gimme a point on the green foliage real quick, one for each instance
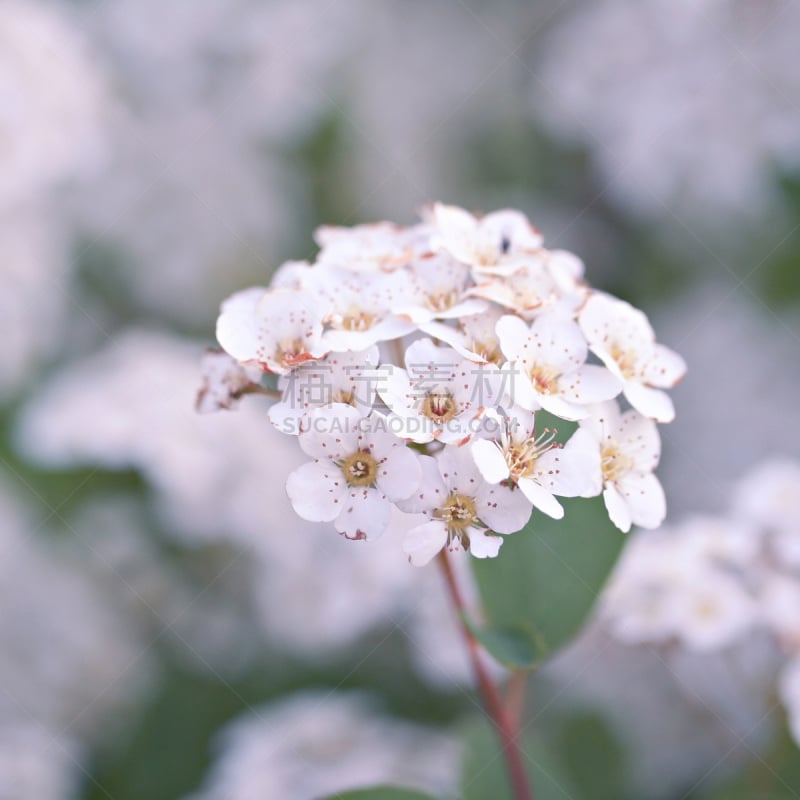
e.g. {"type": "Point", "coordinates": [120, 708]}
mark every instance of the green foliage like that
{"type": "Point", "coordinates": [484, 772]}
{"type": "Point", "coordinates": [595, 758]}
{"type": "Point", "coordinates": [769, 776]}
{"type": "Point", "coordinates": [515, 648]}
{"type": "Point", "coordinates": [548, 575]}
{"type": "Point", "coordinates": [381, 793]}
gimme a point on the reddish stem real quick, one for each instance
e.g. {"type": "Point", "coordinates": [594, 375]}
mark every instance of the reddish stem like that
{"type": "Point", "coordinates": [503, 723]}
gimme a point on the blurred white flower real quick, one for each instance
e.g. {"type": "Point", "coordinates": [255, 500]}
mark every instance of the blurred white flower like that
{"type": "Point", "coordinates": [53, 102]}
{"type": "Point", "coordinates": [68, 643]}
{"type": "Point", "coordinates": [789, 689]}
{"type": "Point", "coordinates": [224, 382]}
{"type": "Point", "coordinates": [648, 85]}
{"type": "Point", "coordinates": [769, 496]}
{"type": "Point", "coordinates": [37, 763]}
{"type": "Point", "coordinates": [33, 271]}
{"type": "Point", "coordinates": [711, 611]}
{"type": "Point", "coordinates": [320, 743]}
{"type": "Point", "coordinates": [199, 194]}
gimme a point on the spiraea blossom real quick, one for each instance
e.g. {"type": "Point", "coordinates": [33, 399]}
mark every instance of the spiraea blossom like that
{"type": "Point", "coordinates": [414, 365]}
{"type": "Point", "coordinates": [710, 583]}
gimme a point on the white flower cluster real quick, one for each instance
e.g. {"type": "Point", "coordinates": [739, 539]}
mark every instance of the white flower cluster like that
{"type": "Point", "coordinates": [647, 85]}
{"type": "Point", "coordinates": [312, 744]}
{"type": "Point", "coordinates": [714, 581]}
{"type": "Point", "coordinates": [413, 364]}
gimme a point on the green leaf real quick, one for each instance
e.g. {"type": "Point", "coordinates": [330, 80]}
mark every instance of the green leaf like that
{"type": "Point", "coordinates": [484, 769]}
{"type": "Point", "coordinates": [513, 647]}
{"type": "Point", "coordinates": [547, 577]}
{"type": "Point", "coordinates": [381, 793]}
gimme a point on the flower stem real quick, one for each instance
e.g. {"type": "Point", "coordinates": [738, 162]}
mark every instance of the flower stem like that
{"type": "Point", "coordinates": [505, 726]}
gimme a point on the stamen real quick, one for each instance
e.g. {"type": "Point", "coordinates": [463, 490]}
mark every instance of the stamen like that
{"type": "Point", "coordinates": [544, 379]}
{"type": "Point", "coordinates": [521, 457]}
{"type": "Point", "coordinates": [458, 513]}
{"type": "Point", "coordinates": [614, 463]}
{"type": "Point", "coordinates": [360, 468]}
{"type": "Point", "coordinates": [439, 406]}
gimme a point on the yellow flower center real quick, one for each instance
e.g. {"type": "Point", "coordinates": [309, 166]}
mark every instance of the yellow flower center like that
{"type": "Point", "coordinates": [360, 469]}
{"type": "Point", "coordinates": [357, 320]}
{"type": "Point", "coordinates": [625, 360]}
{"type": "Point", "coordinates": [544, 379]}
{"type": "Point", "coordinates": [441, 301]}
{"type": "Point", "coordinates": [342, 396]}
{"type": "Point", "coordinates": [458, 513]}
{"type": "Point", "coordinates": [614, 463]}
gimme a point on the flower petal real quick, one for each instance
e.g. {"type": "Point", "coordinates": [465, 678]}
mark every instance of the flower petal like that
{"type": "Point", "coordinates": [237, 325]}
{"type": "Point", "coordinates": [589, 384]}
{"type": "Point", "coordinates": [503, 509]}
{"type": "Point", "coordinates": [665, 368]}
{"type": "Point", "coordinates": [541, 498]}
{"type": "Point", "coordinates": [644, 498]}
{"type": "Point", "coordinates": [331, 432]}
{"type": "Point", "coordinates": [617, 508]}
{"type": "Point", "coordinates": [483, 544]}
{"type": "Point", "coordinates": [574, 470]}
{"type": "Point", "coordinates": [399, 473]}
{"type": "Point", "coordinates": [316, 491]}
{"type": "Point", "coordinates": [364, 513]}
{"type": "Point", "coordinates": [431, 492]}
{"type": "Point", "coordinates": [653, 403]}
{"type": "Point", "coordinates": [490, 460]}
{"type": "Point", "coordinates": [422, 543]}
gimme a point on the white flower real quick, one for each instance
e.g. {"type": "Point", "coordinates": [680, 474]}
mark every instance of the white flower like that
{"type": "Point", "coordinates": [789, 688]}
{"type": "Point", "coordinates": [647, 85]}
{"type": "Point", "coordinates": [380, 246]}
{"type": "Point", "coordinates": [276, 329]}
{"type": "Point", "coordinates": [321, 744]}
{"type": "Point", "coordinates": [711, 611]}
{"type": "Point", "coordinates": [438, 290]}
{"type": "Point", "coordinates": [769, 496]}
{"type": "Point", "coordinates": [778, 601]}
{"type": "Point", "coordinates": [34, 271]}
{"type": "Point", "coordinates": [548, 280]}
{"type": "Point", "coordinates": [537, 465]}
{"type": "Point", "coordinates": [438, 396]}
{"type": "Point", "coordinates": [551, 356]}
{"type": "Point", "coordinates": [349, 378]}
{"type": "Point", "coordinates": [359, 469]}
{"type": "Point", "coordinates": [464, 511]}
{"type": "Point", "coordinates": [630, 448]}
{"type": "Point", "coordinates": [359, 308]}
{"type": "Point", "coordinates": [37, 762]}
{"type": "Point", "coordinates": [621, 336]}
{"type": "Point", "coordinates": [498, 243]}
{"type": "Point", "coordinates": [53, 101]}
{"type": "Point", "coordinates": [224, 382]}
{"type": "Point", "coordinates": [474, 336]}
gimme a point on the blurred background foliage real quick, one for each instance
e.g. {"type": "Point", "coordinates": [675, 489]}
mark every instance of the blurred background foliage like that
{"type": "Point", "coordinates": [221, 135]}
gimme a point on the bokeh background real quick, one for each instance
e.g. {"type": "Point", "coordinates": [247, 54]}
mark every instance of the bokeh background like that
{"type": "Point", "coordinates": [168, 628]}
